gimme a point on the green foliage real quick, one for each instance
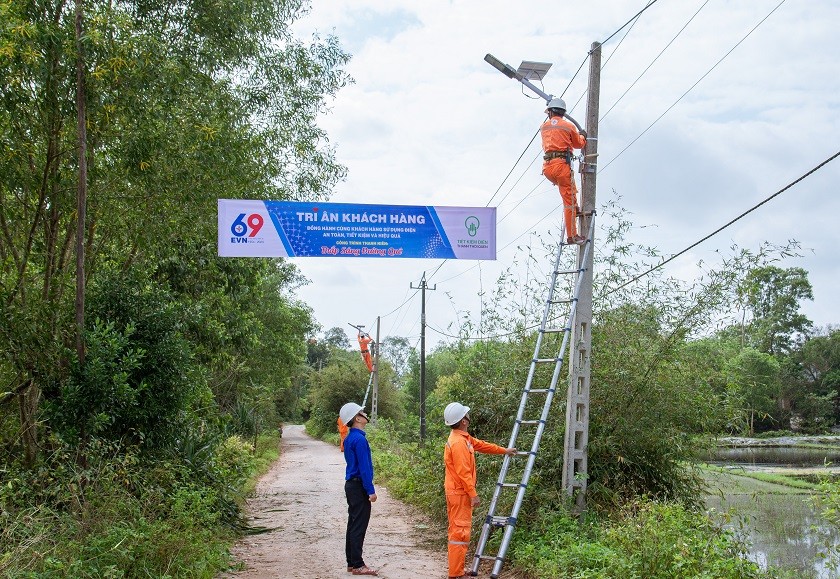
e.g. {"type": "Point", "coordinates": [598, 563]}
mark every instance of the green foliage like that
{"type": "Point", "coordinates": [345, 379]}
{"type": "Point", "coordinates": [645, 539]}
{"type": "Point", "coordinates": [772, 295]}
{"type": "Point", "coordinates": [816, 380]}
{"type": "Point", "coordinates": [411, 471]}
{"type": "Point", "coordinates": [125, 513]}
{"type": "Point", "coordinates": [755, 378]}
{"type": "Point", "coordinates": [827, 501]}
{"type": "Point", "coordinates": [134, 383]}
{"type": "Point", "coordinates": [185, 104]}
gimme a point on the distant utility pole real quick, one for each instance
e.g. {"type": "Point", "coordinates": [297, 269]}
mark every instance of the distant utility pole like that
{"type": "Point", "coordinates": [374, 404]}
{"type": "Point", "coordinates": [576, 443]}
{"type": "Point", "coordinates": [423, 286]}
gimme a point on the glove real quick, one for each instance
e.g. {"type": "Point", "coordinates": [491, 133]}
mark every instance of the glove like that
{"type": "Point", "coordinates": [583, 133]}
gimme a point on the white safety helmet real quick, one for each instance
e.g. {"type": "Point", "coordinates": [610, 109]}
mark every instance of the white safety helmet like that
{"type": "Point", "coordinates": [454, 412]}
{"type": "Point", "coordinates": [556, 103]}
{"type": "Point", "coordinates": [349, 411]}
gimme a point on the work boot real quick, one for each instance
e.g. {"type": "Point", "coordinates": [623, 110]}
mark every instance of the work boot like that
{"type": "Point", "coordinates": [576, 240]}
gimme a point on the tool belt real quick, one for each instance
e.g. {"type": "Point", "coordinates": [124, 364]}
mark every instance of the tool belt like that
{"type": "Point", "coordinates": [565, 155]}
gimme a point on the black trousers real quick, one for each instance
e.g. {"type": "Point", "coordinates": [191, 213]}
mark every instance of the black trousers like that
{"type": "Point", "coordinates": [358, 511]}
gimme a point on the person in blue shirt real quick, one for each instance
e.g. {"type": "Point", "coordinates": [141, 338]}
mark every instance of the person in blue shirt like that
{"type": "Point", "coordinates": [358, 486]}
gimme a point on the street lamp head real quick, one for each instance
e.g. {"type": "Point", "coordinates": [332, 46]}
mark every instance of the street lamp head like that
{"type": "Point", "coordinates": [505, 69]}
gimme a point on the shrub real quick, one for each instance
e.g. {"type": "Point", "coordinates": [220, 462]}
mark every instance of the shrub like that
{"type": "Point", "coordinates": [650, 539]}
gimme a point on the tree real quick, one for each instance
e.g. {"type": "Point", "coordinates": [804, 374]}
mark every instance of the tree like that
{"type": "Point", "coordinates": [319, 351]}
{"type": "Point", "coordinates": [397, 350]}
{"type": "Point", "coordinates": [772, 296]}
{"type": "Point", "coordinates": [184, 103]}
{"type": "Point", "coordinates": [754, 377]}
{"type": "Point", "coordinates": [344, 380]}
{"type": "Point", "coordinates": [818, 378]}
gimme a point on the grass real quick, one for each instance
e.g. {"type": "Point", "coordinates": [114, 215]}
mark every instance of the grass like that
{"type": "Point", "coordinates": [267, 451]}
{"type": "Point", "coordinates": [788, 481]}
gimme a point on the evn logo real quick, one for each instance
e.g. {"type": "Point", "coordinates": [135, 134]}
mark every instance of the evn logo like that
{"type": "Point", "coordinates": [250, 226]}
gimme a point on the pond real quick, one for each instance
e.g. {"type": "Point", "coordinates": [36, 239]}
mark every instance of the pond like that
{"type": "Point", "coordinates": [779, 522]}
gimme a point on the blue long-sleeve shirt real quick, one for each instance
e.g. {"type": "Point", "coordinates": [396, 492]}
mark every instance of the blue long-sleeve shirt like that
{"type": "Point", "coordinates": [358, 458]}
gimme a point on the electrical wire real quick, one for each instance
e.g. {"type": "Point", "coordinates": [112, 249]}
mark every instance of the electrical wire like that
{"type": "Point", "coordinates": [718, 230]}
{"type": "Point", "coordinates": [639, 13]}
{"type": "Point", "coordinates": [661, 52]}
{"type": "Point", "coordinates": [673, 257]}
{"type": "Point", "coordinates": [635, 20]}
{"type": "Point", "coordinates": [692, 86]}
{"type": "Point", "coordinates": [632, 20]}
{"type": "Point", "coordinates": [623, 38]}
{"type": "Point", "coordinates": [525, 150]}
{"type": "Point", "coordinates": [524, 172]}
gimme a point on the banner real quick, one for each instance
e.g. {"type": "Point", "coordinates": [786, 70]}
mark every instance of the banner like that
{"type": "Point", "coordinates": [300, 229]}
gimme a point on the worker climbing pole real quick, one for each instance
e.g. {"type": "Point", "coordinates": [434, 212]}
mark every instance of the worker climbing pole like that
{"type": "Point", "coordinates": [365, 347]}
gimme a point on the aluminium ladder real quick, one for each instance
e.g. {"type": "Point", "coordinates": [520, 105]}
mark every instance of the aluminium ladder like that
{"type": "Point", "coordinates": [492, 520]}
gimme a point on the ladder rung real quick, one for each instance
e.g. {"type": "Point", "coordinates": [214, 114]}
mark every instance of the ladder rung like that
{"type": "Point", "coordinates": [562, 301]}
{"type": "Point", "coordinates": [545, 360]}
{"type": "Point", "coordinates": [566, 271]}
{"type": "Point", "coordinates": [499, 521]}
{"type": "Point", "coordinates": [539, 390]}
{"type": "Point", "coordinates": [531, 421]}
{"type": "Point", "coordinates": [555, 330]}
{"type": "Point", "coordinates": [511, 485]}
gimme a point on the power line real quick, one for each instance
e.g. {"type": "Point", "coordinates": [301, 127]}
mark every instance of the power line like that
{"type": "Point", "coordinates": [673, 257]}
{"type": "Point", "coordinates": [525, 150]}
{"type": "Point", "coordinates": [661, 52]}
{"type": "Point", "coordinates": [623, 38]}
{"type": "Point", "coordinates": [525, 172]}
{"type": "Point", "coordinates": [631, 20]}
{"type": "Point", "coordinates": [691, 87]}
{"type": "Point", "coordinates": [639, 13]}
{"type": "Point", "coordinates": [715, 232]}
{"type": "Point", "coordinates": [635, 20]}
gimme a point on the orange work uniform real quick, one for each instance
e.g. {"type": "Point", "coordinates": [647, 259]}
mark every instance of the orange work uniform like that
{"type": "Point", "coordinates": [343, 430]}
{"type": "Point", "coordinates": [561, 136]}
{"type": "Point", "coordinates": [459, 485]}
{"type": "Point", "coordinates": [364, 340]}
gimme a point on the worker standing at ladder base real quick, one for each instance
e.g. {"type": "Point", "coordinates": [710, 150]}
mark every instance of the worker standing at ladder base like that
{"type": "Point", "coordinates": [460, 480]}
{"type": "Point", "coordinates": [559, 139]}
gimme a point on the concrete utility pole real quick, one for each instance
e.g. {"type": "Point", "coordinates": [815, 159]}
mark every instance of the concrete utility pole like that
{"type": "Point", "coordinates": [374, 404]}
{"type": "Point", "coordinates": [423, 286]}
{"type": "Point", "coordinates": [576, 443]}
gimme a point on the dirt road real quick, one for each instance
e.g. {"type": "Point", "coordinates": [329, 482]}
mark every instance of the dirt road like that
{"type": "Point", "coordinates": [302, 498]}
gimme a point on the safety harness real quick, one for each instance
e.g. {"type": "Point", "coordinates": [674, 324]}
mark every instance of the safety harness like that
{"type": "Point", "coordinates": [565, 155]}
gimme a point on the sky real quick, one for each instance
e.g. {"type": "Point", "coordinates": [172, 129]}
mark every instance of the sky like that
{"type": "Point", "coordinates": [707, 107]}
